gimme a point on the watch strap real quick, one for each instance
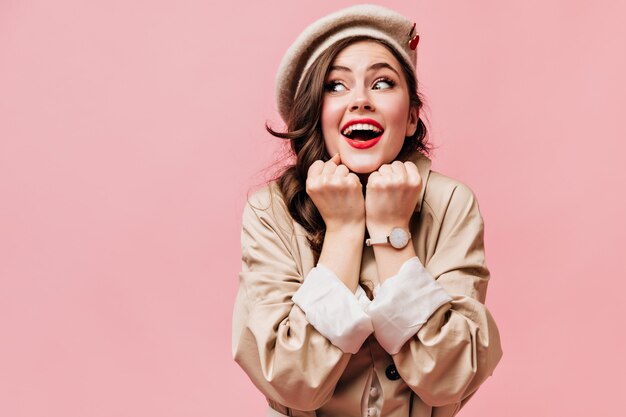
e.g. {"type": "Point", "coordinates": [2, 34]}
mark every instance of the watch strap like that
{"type": "Point", "coordinates": [376, 241]}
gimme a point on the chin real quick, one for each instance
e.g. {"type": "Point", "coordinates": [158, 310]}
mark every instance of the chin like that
{"type": "Point", "coordinates": [362, 167]}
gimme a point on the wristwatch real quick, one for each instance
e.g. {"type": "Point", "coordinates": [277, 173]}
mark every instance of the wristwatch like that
{"type": "Point", "coordinates": [398, 238]}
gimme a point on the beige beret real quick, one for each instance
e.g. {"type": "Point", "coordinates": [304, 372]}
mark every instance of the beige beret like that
{"type": "Point", "coordinates": [375, 21]}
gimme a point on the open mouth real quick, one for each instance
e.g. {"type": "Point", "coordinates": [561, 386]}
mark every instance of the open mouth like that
{"type": "Point", "coordinates": [362, 132]}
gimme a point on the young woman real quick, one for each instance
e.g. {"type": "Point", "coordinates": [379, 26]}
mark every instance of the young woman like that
{"type": "Point", "coordinates": [363, 275]}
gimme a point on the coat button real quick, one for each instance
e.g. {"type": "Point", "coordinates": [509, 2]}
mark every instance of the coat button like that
{"type": "Point", "coordinates": [372, 412]}
{"type": "Point", "coordinates": [373, 392]}
{"type": "Point", "coordinates": [392, 372]}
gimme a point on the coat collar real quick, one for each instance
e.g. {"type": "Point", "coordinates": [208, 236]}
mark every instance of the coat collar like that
{"type": "Point", "coordinates": [423, 164]}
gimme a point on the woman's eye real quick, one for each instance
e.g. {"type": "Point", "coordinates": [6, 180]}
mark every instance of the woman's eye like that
{"type": "Point", "coordinates": [383, 84]}
{"type": "Point", "coordinates": [335, 87]}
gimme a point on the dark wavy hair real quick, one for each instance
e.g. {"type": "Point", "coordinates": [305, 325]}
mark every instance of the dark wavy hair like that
{"type": "Point", "coordinates": [306, 141]}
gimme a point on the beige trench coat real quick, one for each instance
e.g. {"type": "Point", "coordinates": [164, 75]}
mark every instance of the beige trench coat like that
{"type": "Point", "coordinates": [302, 374]}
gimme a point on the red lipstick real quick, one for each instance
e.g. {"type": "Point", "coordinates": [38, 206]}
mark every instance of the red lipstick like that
{"type": "Point", "coordinates": [360, 144]}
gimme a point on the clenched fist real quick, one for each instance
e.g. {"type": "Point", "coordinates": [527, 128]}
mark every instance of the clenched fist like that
{"type": "Point", "coordinates": [391, 196]}
{"type": "Point", "coordinates": [336, 192]}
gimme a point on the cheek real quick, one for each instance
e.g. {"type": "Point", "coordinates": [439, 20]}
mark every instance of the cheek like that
{"type": "Point", "coordinates": [396, 117]}
{"type": "Point", "coordinates": [331, 117]}
{"type": "Point", "coordinates": [396, 110]}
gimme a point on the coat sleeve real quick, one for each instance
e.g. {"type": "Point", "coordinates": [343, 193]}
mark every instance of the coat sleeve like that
{"type": "Point", "coordinates": [286, 358]}
{"type": "Point", "coordinates": [458, 347]}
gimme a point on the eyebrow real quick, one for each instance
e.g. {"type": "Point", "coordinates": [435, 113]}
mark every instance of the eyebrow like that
{"type": "Point", "coordinates": [375, 66]}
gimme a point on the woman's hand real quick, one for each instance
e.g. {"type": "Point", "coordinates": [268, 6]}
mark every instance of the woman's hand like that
{"type": "Point", "coordinates": [391, 195]}
{"type": "Point", "coordinates": [337, 193]}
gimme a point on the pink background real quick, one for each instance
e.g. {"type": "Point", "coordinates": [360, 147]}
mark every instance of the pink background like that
{"type": "Point", "coordinates": [131, 131]}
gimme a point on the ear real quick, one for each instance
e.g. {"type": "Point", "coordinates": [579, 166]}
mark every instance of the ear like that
{"type": "Point", "coordinates": [411, 125]}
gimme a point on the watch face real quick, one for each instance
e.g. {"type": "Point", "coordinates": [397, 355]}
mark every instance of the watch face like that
{"type": "Point", "coordinates": [398, 238]}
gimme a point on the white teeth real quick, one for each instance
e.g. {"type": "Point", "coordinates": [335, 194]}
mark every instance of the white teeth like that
{"type": "Point", "coordinates": [360, 126]}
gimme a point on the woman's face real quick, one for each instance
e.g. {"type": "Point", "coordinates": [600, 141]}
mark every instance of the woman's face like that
{"type": "Point", "coordinates": [366, 112]}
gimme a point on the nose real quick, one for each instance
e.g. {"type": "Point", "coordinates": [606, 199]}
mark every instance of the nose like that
{"type": "Point", "coordinates": [361, 101]}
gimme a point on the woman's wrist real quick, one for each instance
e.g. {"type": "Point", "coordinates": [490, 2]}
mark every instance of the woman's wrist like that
{"type": "Point", "coordinates": [351, 229]}
{"type": "Point", "coordinates": [376, 230]}
{"type": "Point", "coordinates": [342, 251]}
{"type": "Point", "coordinates": [389, 260]}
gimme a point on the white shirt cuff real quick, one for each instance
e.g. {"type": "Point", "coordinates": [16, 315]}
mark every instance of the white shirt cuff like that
{"type": "Point", "coordinates": [403, 303]}
{"type": "Point", "coordinates": [334, 311]}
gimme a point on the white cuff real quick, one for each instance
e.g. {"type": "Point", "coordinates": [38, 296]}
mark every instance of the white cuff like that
{"type": "Point", "coordinates": [333, 309]}
{"type": "Point", "coordinates": [403, 303]}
